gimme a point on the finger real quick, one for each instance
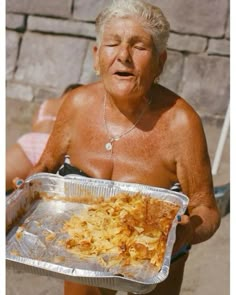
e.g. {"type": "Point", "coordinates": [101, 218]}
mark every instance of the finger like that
{"type": "Point", "coordinates": [183, 220]}
{"type": "Point", "coordinates": [18, 182]}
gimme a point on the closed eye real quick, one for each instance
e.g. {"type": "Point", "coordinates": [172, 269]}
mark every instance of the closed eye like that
{"type": "Point", "coordinates": [139, 47]}
{"type": "Point", "coordinates": [112, 44]}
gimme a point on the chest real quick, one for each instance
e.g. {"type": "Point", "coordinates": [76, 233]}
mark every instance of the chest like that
{"type": "Point", "coordinates": [141, 156]}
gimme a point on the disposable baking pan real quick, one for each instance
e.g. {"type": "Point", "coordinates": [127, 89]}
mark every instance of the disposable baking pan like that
{"type": "Point", "coordinates": [30, 216]}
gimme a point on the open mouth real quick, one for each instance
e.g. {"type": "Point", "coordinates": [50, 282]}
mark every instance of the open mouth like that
{"type": "Point", "coordinates": [124, 74]}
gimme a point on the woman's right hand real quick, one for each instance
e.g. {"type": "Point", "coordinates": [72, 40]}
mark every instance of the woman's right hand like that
{"type": "Point", "coordinates": [18, 183]}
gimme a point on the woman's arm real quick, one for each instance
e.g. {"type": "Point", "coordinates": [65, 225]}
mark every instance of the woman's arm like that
{"type": "Point", "coordinates": [194, 175]}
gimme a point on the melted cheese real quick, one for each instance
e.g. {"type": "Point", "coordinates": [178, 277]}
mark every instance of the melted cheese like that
{"type": "Point", "coordinates": [126, 229]}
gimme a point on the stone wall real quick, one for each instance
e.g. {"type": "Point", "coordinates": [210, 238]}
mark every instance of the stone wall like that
{"type": "Point", "coordinates": [49, 45]}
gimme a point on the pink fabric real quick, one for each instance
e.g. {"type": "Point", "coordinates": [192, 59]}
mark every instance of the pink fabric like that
{"type": "Point", "coordinates": [41, 116]}
{"type": "Point", "coordinates": [33, 144]}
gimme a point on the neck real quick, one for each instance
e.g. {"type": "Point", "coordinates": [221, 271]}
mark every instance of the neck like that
{"type": "Point", "coordinates": [136, 117]}
{"type": "Point", "coordinates": [129, 107]}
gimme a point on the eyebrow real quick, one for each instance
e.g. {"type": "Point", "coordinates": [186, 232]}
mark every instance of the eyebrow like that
{"type": "Point", "coordinates": [113, 36]}
{"type": "Point", "coordinates": [132, 38]}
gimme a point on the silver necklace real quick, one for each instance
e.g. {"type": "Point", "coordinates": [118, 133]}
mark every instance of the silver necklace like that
{"type": "Point", "coordinates": [112, 139]}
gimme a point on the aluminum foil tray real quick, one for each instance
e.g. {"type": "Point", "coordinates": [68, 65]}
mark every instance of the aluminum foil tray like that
{"type": "Point", "coordinates": [31, 216]}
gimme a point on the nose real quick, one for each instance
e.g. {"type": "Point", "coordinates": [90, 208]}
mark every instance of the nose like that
{"type": "Point", "coordinates": [124, 54]}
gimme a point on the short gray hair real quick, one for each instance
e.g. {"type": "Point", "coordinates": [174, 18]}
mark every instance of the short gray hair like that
{"type": "Point", "coordinates": [149, 15]}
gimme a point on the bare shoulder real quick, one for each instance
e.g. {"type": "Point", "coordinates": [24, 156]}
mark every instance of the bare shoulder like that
{"type": "Point", "coordinates": [179, 113]}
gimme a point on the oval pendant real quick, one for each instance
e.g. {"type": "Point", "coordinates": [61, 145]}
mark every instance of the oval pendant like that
{"type": "Point", "coordinates": [115, 138]}
{"type": "Point", "coordinates": [108, 146]}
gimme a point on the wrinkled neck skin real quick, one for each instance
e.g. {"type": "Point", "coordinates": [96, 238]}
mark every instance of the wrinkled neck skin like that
{"type": "Point", "coordinates": [130, 107]}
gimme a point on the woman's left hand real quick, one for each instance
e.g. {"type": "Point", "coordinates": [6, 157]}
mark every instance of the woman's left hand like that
{"type": "Point", "coordinates": [184, 232]}
{"type": "Point", "coordinates": [18, 183]}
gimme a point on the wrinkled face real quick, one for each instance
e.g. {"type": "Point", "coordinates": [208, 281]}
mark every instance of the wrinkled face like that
{"type": "Point", "coordinates": [126, 58]}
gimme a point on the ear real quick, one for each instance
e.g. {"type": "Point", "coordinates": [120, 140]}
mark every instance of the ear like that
{"type": "Point", "coordinates": [95, 58]}
{"type": "Point", "coordinates": [162, 60]}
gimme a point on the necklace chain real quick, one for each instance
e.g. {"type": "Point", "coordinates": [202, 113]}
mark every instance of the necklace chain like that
{"type": "Point", "coordinates": [112, 139]}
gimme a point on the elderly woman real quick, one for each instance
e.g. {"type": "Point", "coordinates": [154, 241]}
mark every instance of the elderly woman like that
{"type": "Point", "coordinates": [127, 127]}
